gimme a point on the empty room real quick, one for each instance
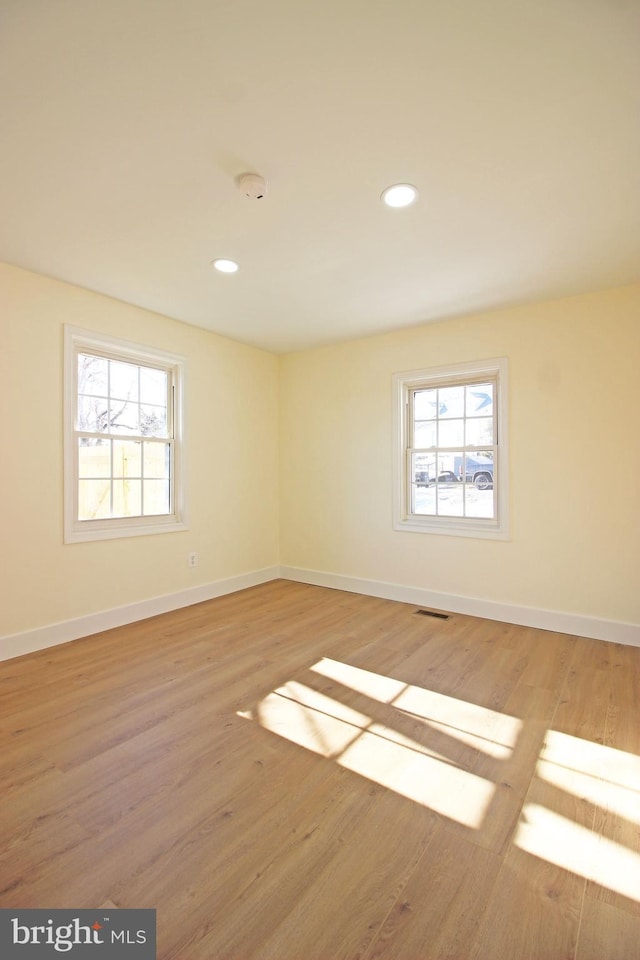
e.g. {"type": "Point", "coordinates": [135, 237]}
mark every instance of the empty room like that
{"type": "Point", "coordinates": [320, 593]}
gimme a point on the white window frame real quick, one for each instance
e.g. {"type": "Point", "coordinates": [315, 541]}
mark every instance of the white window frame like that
{"type": "Point", "coordinates": [77, 340]}
{"type": "Point", "coordinates": [496, 528]}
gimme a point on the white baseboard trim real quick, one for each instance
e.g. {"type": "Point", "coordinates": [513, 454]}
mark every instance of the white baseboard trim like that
{"type": "Point", "coordinates": [17, 644]}
{"type": "Point", "coordinates": [612, 630]}
{"type": "Point", "coordinates": [29, 641]}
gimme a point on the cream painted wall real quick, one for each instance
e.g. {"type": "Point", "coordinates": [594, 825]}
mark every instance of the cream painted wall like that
{"type": "Point", "coordinates": [232, 429]}
{"type": "Point", "coordinates": [574, 473]}
{"type": "Point", "coordinates": [574, 372]}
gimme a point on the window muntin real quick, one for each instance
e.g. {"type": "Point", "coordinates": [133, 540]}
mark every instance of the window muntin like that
{"type": "Point", "coordinates": [451, 450]}
{"type": "Point", "coordinates": [123, 437]}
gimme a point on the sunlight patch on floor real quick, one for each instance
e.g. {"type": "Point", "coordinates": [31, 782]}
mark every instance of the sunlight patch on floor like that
{"type": "Point", "coordinates": [374, 685]}
{"type": "Point", "coordinates": [558, 840]}
{"type": "Point", "coordinates": [602, 775]}
{"type": "Point", "coordinates": [440, 786]}
{"type": "Point", "coordinates": [378, 752]}
{"type": "Point", "coordinates": [408, 739]}
{"type": "Point", "coordinates": [489, 731]}
{"type": "Point", "coordinates": [311, 719]}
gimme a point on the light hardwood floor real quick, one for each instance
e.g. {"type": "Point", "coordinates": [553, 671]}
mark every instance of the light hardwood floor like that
{"type": "Point", "coordinates": [298, 773]}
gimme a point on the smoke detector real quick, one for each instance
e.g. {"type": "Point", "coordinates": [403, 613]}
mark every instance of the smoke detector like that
{"type": "Point", "coordinates": [252, 185]}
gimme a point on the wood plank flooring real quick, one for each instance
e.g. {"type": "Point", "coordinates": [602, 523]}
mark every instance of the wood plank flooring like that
{"type": "Point", "coordinates": [297, 773]}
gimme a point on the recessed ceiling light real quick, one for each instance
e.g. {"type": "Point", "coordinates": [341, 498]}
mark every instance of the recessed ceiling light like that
{"type": "Point", "coordinates": [225, 266]}
{"type": "Point", "coordinates": [400, 195]}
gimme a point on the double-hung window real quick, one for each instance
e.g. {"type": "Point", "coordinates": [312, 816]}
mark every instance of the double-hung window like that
{"type": "Point", "coordinates": [451, 450]}
{"type": "Point", "coordinates": [123, 438]}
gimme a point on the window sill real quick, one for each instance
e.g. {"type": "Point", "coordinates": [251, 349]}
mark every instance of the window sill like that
{"type": "Point", "coordinates": [90, 530]}
{"type": "Point", "coordinates": [450, 527]}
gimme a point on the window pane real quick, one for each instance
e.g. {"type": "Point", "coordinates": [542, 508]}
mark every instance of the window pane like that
{"type": "Point", "coordinates": [424, 433]}
{"type": "Point", "coordinates": [153, 421]}
{"type": "Point", "coordinates": [425, 404]}
{"type": "Point", "coordinates": [123, 417]}
{"type": "Point", "coordinates": [94, 499]}
{"type": "Point", "coordinates": [157, 460]}
{"type": "Point", "coordinates": [424, 501]}
{"type": "Point", "coordinates": [478, 503]}
{"type": "Point", "coordinates": [451, 402]}
{"type": "Point", "coordinates": [478, 469]}
{"type": "Point", "coordinates": [480, 400]}
{"type": "Point", "coordinates": [93, 414]}
{"type": "Point", "coordinates": [479, 431]}
{"type": "Point", "coordinates": [156, 497]}
{"type": "Point", "coordinates": [451, 433]}
{"type": "Point", "coordinates": [423, 467]}
{"type": "Point", "coordinates": [94, 458]}
{"type": "Point", "coordinates": [452, 463]}
{"type": "Point", "coordinates": [127, 498]}
{"type": "Point", "coordinates": [449, 496]}
{"type": "Point", "coordinates": [480, 499]}
{"type": "Point", "coordinates": [423, 470]}
{"type": "Point", "coordinates": [153, 386]}
{"type": "Point", "coordinates": [123, 384]}
{"type": "Point", "coordinates": [127, 458]}
{"type": "Point", "coordinates": [92, 375]}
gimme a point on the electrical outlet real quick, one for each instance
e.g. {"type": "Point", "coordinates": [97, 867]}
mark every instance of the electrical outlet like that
{"type": "Point", "coordinates": [193, 559]}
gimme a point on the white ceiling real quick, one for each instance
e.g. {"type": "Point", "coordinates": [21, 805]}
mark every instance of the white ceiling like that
{"type": "Point", "coordinates": [124, 124]}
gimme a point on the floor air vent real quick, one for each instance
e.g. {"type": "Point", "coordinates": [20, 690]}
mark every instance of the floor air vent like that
{"type": "Point", "coordinates": [432, 613]}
